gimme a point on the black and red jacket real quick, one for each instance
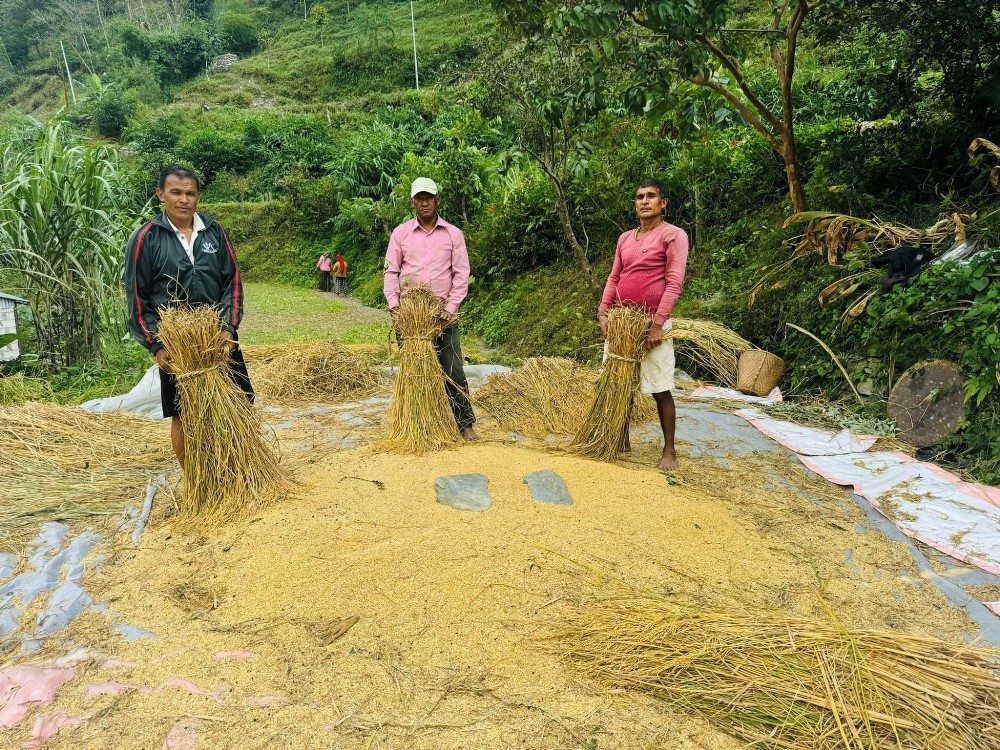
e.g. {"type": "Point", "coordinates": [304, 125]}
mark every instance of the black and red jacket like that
{"type": "Point", "coordinates": [158, 274]}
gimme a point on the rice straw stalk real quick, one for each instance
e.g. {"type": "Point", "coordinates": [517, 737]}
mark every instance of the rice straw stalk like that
{"type": "Point", "coordinates": [793, 684]}
{"type": "Point", "coordinates": [420, 418]}
{"type": "Point", "coordinates": [710, 345]}
{"type": "Point", "coordinates": [546, 396]}
{"type": "Point", "coordinates": [231, 465]}
{"type": "Point", "coordinates": [604, 432]}
{"type": "Point", "coordinates": [309, 373]}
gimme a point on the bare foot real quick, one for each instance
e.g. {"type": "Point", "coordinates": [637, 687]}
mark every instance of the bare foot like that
{"type": "Point", "coordinates": [470, 434]}
{"type": "Point", "coordinates": [668, 462]}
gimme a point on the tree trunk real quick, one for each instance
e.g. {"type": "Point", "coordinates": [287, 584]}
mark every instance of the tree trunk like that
{"type": "Point", "coordinates": [579, 251]}
{"type": "Point", "coordinates": [790, 154]}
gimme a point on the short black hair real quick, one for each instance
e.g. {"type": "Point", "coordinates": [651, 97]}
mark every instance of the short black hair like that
{"type": "Point", "coordinates": [653, 183]}
{"type": "Point", "coordinates": [182, 172]}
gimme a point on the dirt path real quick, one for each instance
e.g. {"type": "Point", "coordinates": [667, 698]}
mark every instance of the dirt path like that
{"type": "Point", "coordinates": [279, 314]}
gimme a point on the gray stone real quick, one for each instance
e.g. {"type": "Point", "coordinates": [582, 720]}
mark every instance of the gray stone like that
{"type": "Point", "coordinates": [464, 492]}
{"type": "Point", "coordinates": [548, 487]}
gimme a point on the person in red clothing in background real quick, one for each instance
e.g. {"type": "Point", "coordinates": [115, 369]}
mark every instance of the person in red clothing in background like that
{"type": "Point", "coordinates": [648, 273]}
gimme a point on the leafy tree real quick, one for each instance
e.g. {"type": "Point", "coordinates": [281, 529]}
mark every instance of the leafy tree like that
{"type": "Point", "coordinates": [320, 17]}
{"type": "Point", "coordinates": [957, 42]}
{"type": "Point", "coordinates": [203, 8]}
{"type": "Point", "coordinates": [659, 43]}
{"type": "Point", "coordinates": [553, 113]}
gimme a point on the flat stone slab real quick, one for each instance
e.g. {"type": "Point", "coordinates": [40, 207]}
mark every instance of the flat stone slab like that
{"type": "Point", "coordinates": [464, 492]}
{"type": "Point", "coordinates": [548, 487]}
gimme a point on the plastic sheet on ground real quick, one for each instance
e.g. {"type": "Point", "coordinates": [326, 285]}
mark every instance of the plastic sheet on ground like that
{"type": "Point", "coordinates": [808, 441]}
{"type": "Point", "coordinates": [731, 394]}
{"type": "Point", "coordinates": [925, 502]}
{"type": "Point", "coordinates": [143, 400]}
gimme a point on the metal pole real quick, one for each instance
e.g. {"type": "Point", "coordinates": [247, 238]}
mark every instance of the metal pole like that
{"type": "Point", "coordinates": [69, 77]}
{"type": "Point", "coordinates": [413, 25]}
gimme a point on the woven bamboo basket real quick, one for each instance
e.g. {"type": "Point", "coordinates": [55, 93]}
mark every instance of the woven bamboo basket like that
{"type": "Point", "coordinates": [758, 372]}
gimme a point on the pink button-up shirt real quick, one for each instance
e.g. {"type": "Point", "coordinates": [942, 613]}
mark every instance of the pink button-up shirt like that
{"type": "Point", "coordinates": [648, 272]}
{"type": "Point", "coordinates": [437, 258]}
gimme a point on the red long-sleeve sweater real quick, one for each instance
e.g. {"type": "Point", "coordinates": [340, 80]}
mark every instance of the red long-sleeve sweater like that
{"type": "Point", "coordinates": [648, 272]}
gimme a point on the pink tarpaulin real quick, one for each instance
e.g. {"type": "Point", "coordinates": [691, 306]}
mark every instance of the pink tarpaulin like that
{"type": "Point", "coordinates": [26, 687]}
{"type": "Point", "coordinates": [47, 727]}
{"type": "Point", "coordinates": [924, 501]}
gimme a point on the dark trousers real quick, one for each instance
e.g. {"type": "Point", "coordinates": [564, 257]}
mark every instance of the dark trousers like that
{"type": "Point", "coordinates": [324, 281]}
{"type": "Point", "coordinates": [449, 351]}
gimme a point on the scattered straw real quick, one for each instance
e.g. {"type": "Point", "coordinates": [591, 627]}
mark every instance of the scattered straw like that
{"type": "Point", "coordinates": [604, 432]}
{"type": "Point", "coordinates": [546, 396]}
{"type": "Point", "coordinates": [792, 683]}
{"type": "Point", "coordinates": [324, 371]}
{"type": "Point", "coordinates": [60, 463]}
{"type": "Point", "coordinates": [710, 345]}
{"type": "Point", "coordinates": [231, 468]}
{"type": "Point", "coordinates": [420, 418]}
{"type": "Point", "coordinates": [17, 388]}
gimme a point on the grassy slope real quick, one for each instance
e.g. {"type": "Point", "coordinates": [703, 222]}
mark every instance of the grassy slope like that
{"type": "Point", "coordinates": [277, 314]}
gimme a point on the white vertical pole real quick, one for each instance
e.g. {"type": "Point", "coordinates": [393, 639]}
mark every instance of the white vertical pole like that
{"type": "Point", "coordinates": [413, 25]}
{"type": "Point", "coordinates": [69, 77]}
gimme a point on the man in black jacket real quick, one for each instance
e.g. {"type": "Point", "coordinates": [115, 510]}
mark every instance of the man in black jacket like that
{"type": "Point", "coordinates": [182, 257]}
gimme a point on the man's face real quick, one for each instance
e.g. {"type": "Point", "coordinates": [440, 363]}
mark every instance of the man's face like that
{"type": "Point", "coordinates": [649, 203]}
{"type": "Point", "coordinates": [179, 196]}
{"type": "Point", "coordinates": [426, 205]}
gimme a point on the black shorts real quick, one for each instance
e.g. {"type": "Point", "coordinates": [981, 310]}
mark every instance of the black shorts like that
{"type": "Point", "coordinates": [237, 371]}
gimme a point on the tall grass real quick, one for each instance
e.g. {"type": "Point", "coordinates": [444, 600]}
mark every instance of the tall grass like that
{"type": "Point", "coordinates": [66, 211]}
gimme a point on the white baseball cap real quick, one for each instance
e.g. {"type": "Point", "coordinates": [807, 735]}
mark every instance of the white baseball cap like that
{"type": "Point", "coordinates": [423, 185]}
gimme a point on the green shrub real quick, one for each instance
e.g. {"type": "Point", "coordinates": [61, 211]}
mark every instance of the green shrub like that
{"type": "Point", "coordinates": [951, 311]}
{"type": "Point", "coordinates": [112, 112]}
{"type": "Point", "coordinates": [239, 33]}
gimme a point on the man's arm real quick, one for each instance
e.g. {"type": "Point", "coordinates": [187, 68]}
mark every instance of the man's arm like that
{"type": "Point", "coordinates": [231, 304]}
{"type": "Point", "coordinates": [676, 268]}
{"type": "Point", "coordinates": [390, 277]}
{"type": "Point", "coordinates": [143, 318]}
{"type": "Point", "coordinates": [459, 275]}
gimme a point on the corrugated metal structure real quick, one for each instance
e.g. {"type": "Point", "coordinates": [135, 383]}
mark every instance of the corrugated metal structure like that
{"type": "Point", "coordinates": [8, 324]}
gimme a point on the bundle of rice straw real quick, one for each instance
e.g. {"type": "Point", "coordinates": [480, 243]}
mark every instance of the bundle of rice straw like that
{"type": "Point", "coordinates": [710, 345]}
{"type": "Point", "coordinates": [604, 432]}
{"type": "Point", "coordinates": [794, 684]}
{"type": "Point", "coordinates": [231, 468]}
{"type": "Point", "coordinates": [324, 371]}
{"type": "Point", "coordinates": [420, 418]}
{"type": "Point", "coordinates": [545, 396]}
{"type": "Point", "coordinates": [60, 463]}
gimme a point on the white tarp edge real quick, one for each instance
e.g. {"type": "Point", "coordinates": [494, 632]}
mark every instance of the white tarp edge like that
{"type": "Point", "coordinates": [143, 400]}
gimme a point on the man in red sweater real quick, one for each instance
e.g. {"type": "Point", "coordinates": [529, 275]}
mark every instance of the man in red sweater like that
{"type": "Point", "coordinates": [648, 273]}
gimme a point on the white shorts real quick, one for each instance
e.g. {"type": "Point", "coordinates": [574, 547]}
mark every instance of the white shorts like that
{"type": "Point", "coordinates": [656, 372]}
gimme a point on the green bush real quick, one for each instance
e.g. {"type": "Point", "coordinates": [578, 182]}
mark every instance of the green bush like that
{"type": "Point", "coordinates": [951, 311]}
{"type": "Point", "coordinates": [112, 112]}
{"type": "Point", "coordinates": [239, 32]}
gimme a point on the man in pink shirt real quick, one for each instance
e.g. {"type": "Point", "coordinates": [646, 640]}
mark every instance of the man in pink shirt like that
{"type": "Point", "coordinates": [427, 250]}
{"type": "Point", "coordinates": [648, 273]}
